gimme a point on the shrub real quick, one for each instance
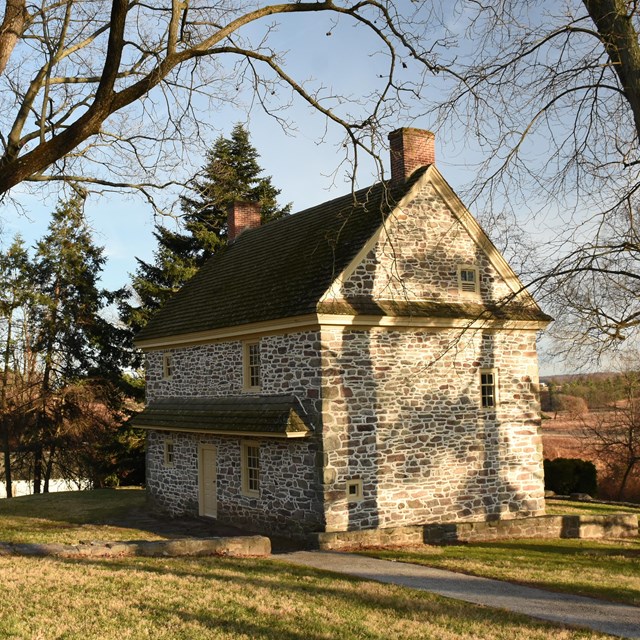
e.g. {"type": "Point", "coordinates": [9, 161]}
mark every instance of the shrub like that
{"type": "Point", "coordinates": [570, 475]}
{"type": "Point", "coordinates": [563, 402]}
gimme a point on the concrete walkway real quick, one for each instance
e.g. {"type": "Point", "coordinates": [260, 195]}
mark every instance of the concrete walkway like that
{"type": "Point", "coordinates": [607, 617]}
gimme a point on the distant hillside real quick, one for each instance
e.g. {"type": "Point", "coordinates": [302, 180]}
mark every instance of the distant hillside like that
{"type": "Point", "coordinates": [571, 377]}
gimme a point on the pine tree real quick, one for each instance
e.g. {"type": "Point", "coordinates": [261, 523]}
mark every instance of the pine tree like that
{"type": "Point", "coordinates": [231, 173]}
{"type": "Point", "coordinates": [67, 269]}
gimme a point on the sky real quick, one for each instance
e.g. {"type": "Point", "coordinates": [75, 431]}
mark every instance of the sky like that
{"type": "Point", "coordinates": [304, 163]}
{"type": "Point", "coordinates": [301, 162]}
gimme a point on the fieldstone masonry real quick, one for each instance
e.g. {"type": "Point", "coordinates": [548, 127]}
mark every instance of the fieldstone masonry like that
{"type": "Point", "coordinates": [289, 473]}
{"type": "Point", "coordinates": [288, 501]}
{"type": "Point", "coordinates": [402, 413]}
{"type": "Point", "coordinates": [417, 258]}
{"type": "Point", "coordinates": [396, 408]}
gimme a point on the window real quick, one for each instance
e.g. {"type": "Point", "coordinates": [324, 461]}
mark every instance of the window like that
{"type": "Point", "coordinates": [354, 490]}
{"type": "Point", "coordinates": [252, 372]}
{"type": "Point", "coordinates": [168, 452]}
{"type": "Point", "coordinates": [250, 469]}
{"type": "Point", "coordinates": [468, 279]}
{"type": "Point", "coordinates": [167, 366]}
{"type": "Point", "coordinates": [488, 386]}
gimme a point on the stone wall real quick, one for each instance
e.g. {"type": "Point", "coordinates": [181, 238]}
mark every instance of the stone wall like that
{"type": "Point", "coordinates": [290, 365]}
{"type": "Point", "coordinates": [418, 257]}
{"type": "Point", "coordinates": [402, 414]}
{"type": "Point", "coordinates": [616, 525]}
{"type": "Point", "coordinates": [289, 499]}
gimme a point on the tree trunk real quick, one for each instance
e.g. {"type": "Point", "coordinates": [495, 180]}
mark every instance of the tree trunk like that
{"type": "Point", "coordinates": [48, 469]}
{"type": "Point", "coordinates": [7, 456]}
{"type": "Point", "coordinates": [37, 468]}
{"type": "Point", "coordinates": [6, 442]}
{"type": "Point", "coordinates": [616, 30]}
{"type": "Point", "coordinates": [11, 29]}
{"type": "Point", "coordinates": [625, 477]}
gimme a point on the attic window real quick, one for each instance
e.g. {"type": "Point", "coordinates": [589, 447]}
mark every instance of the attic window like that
{"type": "Point", "coordinates": [251, 363]}
{"type": "Point", "coordinates": [468, 279]}
{"type": "Point", "coordinates": [167, 366]}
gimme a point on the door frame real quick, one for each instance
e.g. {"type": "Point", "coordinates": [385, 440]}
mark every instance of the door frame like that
{"type": "Point", "coordinates": [201, 485]}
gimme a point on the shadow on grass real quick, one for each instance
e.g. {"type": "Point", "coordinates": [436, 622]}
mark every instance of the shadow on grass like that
{"type": "Point", "coordinates": [578, 561]}
{"type": "Point", "coordinates": [299, 603]}
{"type": "Point", "coordinates": [573, 547]}
{"type": "Point", "coordinates": [75, 507]}
{"type": "Point", "coordinates": [122, 508]}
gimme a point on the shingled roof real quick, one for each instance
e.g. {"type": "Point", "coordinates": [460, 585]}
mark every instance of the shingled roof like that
{"type": "Point", "coordinates": [282, 269]}
{"type": "Point", "coordinates": [278, 416]}
{"type": "Point", "coordinates": [279, 270]}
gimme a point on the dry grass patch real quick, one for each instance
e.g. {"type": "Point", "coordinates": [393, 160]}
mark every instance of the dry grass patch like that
{"type": "Point", "coordinates": [572, 507]}
{"type": "Point", "coordinates": [232, 600]}
{"type": "Point", "coordinates": [69, 517]}
{"type": "Point", "coordinates": [608, 570]}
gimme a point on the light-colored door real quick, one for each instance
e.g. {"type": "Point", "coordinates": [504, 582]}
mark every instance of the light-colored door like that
{"type": "Point", "coordinates": [208, 481]}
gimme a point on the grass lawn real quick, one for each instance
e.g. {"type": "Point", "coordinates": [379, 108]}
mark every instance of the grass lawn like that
{"type": "Point", "coordinates": [607, 569]}
{"type": "Point", "coordinates": [70, 516]}
{"type": "Point", "coordinates": [601, 569]}
{"type": "Point", "coordinates": [571, 507]}
{"type": "Point", "coordinates": [209, 598]}
{"type": "Point", "coordinates": [231, 599]}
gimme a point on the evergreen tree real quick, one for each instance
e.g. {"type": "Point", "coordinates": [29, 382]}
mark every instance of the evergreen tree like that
{"type": "Point", "coordinates": [231, 173]}
{"type": "Point", "coordinates": [72, 339]}
{"type": "Point", "coordinates": [71, 333]}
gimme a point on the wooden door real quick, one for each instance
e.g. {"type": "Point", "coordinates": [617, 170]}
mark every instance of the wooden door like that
{"type": "Point", "coordinates": [208, 481]}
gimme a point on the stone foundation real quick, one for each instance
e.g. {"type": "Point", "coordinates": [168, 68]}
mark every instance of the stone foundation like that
{"type": "Point", "coordinates": [618, 525]}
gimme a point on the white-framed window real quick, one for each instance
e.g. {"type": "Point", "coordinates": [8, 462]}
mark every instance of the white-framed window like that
{"type": "Point", "coordinates": [488, 388]}
{"type": "Point", "coordinates": [167, 366]}
{"type": "Point", "coordinates": [252, 372]}
{"type": "Point", "coordinates": [250, 465]}
{"type": "Point", "coordinates": [354, 490]}
{"type": "Point", "coordinates": [169, 452]}
{"type": "Point", "coordinates": [468, 279]}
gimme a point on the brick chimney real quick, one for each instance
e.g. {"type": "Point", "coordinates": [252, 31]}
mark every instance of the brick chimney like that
{"type": "Point", "coordinates": [410, 149]}
{"type": "Point", "coordinates": [242, 215]}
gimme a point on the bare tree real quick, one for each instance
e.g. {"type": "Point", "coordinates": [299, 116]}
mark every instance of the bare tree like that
{"type": "Point", "coordinates": [614, 436]}
{"type": "Point", "coordinates": [111, 92]}
{"type": "Point", "coordinates": [104, 91]}
{"type": "Point", "coordinates": [551, 94]}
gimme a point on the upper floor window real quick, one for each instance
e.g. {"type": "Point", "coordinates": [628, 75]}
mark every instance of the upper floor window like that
{"type": "Point", "coordinates": [468, 279]}
{"type": "Point", "coordinates": [167, 366]}
{"type": "Point", "coordinates": [252, 370]}
{"type": "Point", "coordinates": [488, 388]}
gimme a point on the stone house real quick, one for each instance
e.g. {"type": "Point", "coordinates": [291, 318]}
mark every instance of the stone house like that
{"type": "Point", "coordinates": [369, 362]}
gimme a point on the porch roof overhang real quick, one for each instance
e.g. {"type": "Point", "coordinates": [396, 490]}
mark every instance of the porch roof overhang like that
{"type": "Point", "coordinates": [267, 416]}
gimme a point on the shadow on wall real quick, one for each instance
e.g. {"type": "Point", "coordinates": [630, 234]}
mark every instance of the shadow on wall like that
{"type": "Point", "coordinates": [362, 414]}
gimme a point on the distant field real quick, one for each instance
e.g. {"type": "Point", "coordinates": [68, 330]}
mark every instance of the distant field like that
{"type": "Point", "coordinates": [563, 437]}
